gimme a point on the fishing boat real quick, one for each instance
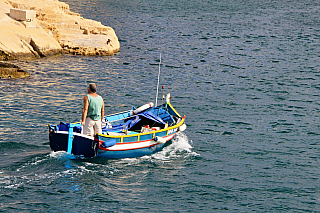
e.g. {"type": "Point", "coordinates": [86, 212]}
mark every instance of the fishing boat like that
{"type": "Point", "coordinates": [129, 134]}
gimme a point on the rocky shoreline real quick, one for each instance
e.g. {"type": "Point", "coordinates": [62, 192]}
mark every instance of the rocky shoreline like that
{"type": "Point", "coordinates": [50, 29]}
{"type": "Point", "coordinates": [11, 71]}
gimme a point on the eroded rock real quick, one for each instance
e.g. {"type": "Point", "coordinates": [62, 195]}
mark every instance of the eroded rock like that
{"type": "Point", "coordinates": [54, 30]}
{"type": "Point", "coordinates": [11, 71]}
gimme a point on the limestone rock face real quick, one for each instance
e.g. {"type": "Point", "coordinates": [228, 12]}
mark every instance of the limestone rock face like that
{"type": "Point", "coordinates": [16, 37]}
{"type": "Point", "coordinates": [54, 30]}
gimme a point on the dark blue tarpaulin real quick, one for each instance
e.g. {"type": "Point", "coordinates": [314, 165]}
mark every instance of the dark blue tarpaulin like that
{"type": "Point", "coordinates": [161, 113]}
{"type": "Point", "coordinates": [137, 121]}
{"type": "Point", "coordinates": [149, 116]}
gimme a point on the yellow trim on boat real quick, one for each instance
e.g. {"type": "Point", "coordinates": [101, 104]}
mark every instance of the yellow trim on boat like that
{"type": "Point", "coordinates": [147, 133]}
{"type": "Point", "coordinates": [76, 123]}
{"type": "Point", "coordinates": [173, 109]}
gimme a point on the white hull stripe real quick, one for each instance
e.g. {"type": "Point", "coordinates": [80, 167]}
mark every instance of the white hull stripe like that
{"type": "Point", "coordinates": [135, 145]}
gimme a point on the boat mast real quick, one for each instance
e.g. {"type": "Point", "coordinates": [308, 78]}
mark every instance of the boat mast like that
{"type": "Point", "coordinates": [158, 82]}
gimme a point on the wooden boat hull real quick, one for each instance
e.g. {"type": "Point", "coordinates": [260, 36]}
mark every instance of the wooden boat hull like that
{"type": "Point", "coordinates": [132, 149]}
{"type": "Point", "coordinates": [130, 153]}
{"type": "Point", "coordinates": [89, 147]}
{"type": "Point", "coordinates": [81, 145]}
{"type": "Point", "coordinates": [114, 143]}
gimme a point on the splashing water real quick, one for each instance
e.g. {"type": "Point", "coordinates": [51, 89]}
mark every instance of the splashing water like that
{"type": "Point", "coordinates": [180, 147]}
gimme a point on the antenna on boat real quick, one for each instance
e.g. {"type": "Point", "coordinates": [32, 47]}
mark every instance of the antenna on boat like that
{"type": "Point", "coordinates": [158, 82]}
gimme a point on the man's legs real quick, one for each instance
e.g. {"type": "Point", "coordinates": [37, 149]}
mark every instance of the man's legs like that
{"type": "Point", "coordinates": [88, 127]}
{"type": "Point", "coordinates": [97, 127]}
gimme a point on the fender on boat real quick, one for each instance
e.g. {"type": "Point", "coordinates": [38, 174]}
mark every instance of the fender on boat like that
{"type": "Point", "coordinates": [142, 108]}
{"type": "Point", "coordinates": [182, 127]}
{"type": "Point", "coordinates": [159, 139]}
{"type": "Point", "coordinates": [168, 97]}
{"type": "Point", "coordinates": [108, 143]}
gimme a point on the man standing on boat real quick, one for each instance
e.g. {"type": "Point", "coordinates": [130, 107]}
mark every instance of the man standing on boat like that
{"type": "Point", "coordinates": [93, 112]}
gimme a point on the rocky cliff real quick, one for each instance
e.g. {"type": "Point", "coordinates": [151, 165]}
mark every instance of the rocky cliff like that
{"type": "Point", "coordinates": [54, 29]}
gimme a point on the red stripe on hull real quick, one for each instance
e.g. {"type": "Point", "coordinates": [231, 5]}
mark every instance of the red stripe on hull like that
{"type": "Point", "coordinates": [115, 150]}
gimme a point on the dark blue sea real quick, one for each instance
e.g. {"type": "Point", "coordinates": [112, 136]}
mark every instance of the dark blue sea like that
{"type": "Point", "coordinates": [246, 75]}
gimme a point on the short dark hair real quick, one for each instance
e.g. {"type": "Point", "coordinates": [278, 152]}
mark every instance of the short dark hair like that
{"type": "Point", "coordinates": [92, 87]}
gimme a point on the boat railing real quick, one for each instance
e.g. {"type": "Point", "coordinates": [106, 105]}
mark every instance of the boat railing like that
{"type": "Point", "coordinates": [136, 136]}
{"type": "Point", "coordinates": [118, 116]}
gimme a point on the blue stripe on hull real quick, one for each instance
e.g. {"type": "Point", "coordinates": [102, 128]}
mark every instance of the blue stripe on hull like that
{"type": "Point", "coordinates": [134, 153]}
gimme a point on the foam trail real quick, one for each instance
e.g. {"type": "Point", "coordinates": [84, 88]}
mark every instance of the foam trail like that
{"type": "Point", "coordinates": [180, 147]}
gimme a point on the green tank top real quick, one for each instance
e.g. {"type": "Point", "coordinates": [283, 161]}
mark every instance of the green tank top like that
{"type": "Point", "coordinates": [94, 109]}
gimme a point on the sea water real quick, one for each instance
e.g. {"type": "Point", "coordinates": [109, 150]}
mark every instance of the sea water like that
{"type": "Point", "coordinates": [245, 74]}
